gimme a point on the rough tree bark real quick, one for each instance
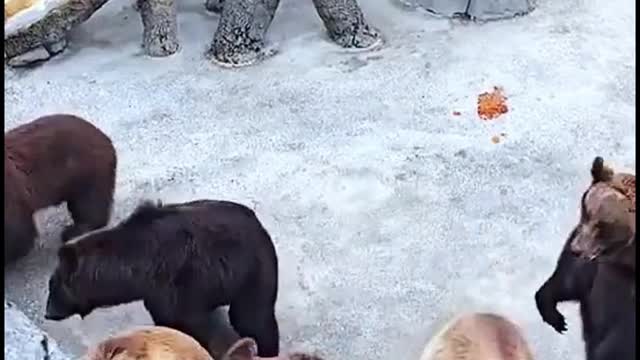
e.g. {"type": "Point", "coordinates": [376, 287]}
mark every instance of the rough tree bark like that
{"type": "Point", "coordinates": [160, 27]}
{"type": "Point", "coordinates": [346, 24]}
{"type": "Point", "coordinates": [239, 39]}
{"type": "Point", "coordinates": [47, 36]}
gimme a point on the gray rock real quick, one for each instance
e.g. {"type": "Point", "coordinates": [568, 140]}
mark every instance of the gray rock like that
{"type": "Point", "coordinates": [48, 34]}
{"type": "Point", "coordinates": [499, 9]}
{"type": "Point", "coordinates": [31, 56]}
{"type": "Point", "coordinates": [57, 47]}
{"type": "Point", "coordinates": [476, 9]}
{"type": "Point", "coordinates": [23, 340]}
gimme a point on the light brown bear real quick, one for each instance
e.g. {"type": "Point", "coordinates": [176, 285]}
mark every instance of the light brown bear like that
{"type": "Point", "coordinates": [478, 336]}
{"type": "Point", "coordinates": [163, 343]}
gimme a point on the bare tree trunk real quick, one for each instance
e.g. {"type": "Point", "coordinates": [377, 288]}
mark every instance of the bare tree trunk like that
{"type": "Point", "coordinates": [47, 36]}
{"type": "Point", "coordinates": [214, 5]}
{"type": "Point", "coordinates": [160, 27]}
{"type": "Point", "coordinates": [239, 39]}
{"type": "Point", "coordinates": [346, 24]}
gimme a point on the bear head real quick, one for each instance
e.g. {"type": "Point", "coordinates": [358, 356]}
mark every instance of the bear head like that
{"type": "Point", "coordinates": [63, 300]}
{"type": "Point", "coordinates": [163, 343]}
{"type": "Point", "coordinates": [607, 226]}
{"type": "Point", "coordinates": [478, 336]}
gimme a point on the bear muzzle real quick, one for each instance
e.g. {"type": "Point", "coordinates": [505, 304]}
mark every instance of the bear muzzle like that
{"type": "Point", "coordinates": [56, 313]}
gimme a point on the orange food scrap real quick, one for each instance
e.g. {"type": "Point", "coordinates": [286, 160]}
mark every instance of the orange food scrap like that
{"type": "Point", "coordinates": [492, 104]}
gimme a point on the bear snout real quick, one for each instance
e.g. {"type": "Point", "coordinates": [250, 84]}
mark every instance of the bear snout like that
{"type": "Point", "coordinates": [55, 312]}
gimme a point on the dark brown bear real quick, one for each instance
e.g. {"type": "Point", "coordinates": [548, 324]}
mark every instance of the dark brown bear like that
{"type": "Point", "coordinates": [51, 160]}
{"type": "Point", "coordinates": [184, 261]}
{"type": "Point", "coordinates": [607, 231]}
{"type": "Point", "coordinates": [604, 289]}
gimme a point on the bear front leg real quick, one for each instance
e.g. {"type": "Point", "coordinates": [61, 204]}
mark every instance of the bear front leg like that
{"type": "Point", "coordinates": [159, 27]}
{"type": "Point", "coordinates": [166, 311]}
{"type": "Point", "coordinates": [239, 39]}
{"type": "Point", "coordinates": [571, 281]}
{"type": "Point", "coordinates": [346, 24]}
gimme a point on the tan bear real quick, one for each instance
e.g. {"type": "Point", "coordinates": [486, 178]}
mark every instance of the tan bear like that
{"type": "Point", "coordinates": [163, 343]}
{"type": "Point", "coordinates": [478, 336]}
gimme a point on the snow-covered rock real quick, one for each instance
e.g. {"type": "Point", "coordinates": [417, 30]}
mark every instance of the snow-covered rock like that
{"type": "Point", "coordinates": [23, 340]}
{"type": "Point", "coordinates": [477, 9]}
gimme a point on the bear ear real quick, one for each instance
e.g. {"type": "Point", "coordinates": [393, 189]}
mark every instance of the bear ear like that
{"type": "Point", "coordinates": [68, 257]}
{"type": "Point", "coordinates": [600, 172]}
{"type": "Point", "coordinates": [243, 349]}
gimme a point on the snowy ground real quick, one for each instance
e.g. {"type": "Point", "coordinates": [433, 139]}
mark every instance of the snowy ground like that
{"type": "Point", "coordinates": [389, 213]}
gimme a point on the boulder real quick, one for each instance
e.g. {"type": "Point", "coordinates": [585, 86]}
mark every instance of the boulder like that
{"type": "Point", "coordinates": [35, 30]}
{"type": "Point", "coordinates": [23, 340]}
{"type": "Point", "coordinates": [482, 10]}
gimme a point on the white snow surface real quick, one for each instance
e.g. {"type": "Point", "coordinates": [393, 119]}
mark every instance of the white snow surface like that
{"type": "Point", "coordinates": [389, 214]}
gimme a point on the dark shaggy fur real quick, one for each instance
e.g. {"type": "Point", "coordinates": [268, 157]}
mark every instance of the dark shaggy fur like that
{"type": "Point", "coordinates": [184, 261]}
{"type": "Point", "coordinates": [604, 290]}
{"type": "Point", "coordinates": [51, 160]}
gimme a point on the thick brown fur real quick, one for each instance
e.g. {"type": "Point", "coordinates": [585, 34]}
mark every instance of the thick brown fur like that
{"type": "Point", "coordinates": [604, 289]}
{"type": "Point", "coordinates": [55, 159]}
{"type": "Point", "coordinates": [184, 261]}
{"type": "Point", "coordinates": [478, 336]}
{"type": "Point", "coordinates": [162, 343]}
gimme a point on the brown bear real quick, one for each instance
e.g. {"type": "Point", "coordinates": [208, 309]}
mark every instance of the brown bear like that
{"type": "Point", "coordinates": [604, 289]}
{"type": "Point", "coordinates": [183, 261]}
{"type": "Point", "coordinates": [607, 230]}
{"type": "Point", "coordinates": [50, 160]}
{"type": "Point", "coordinates": [478, 336]}
{"type": "Point", "coordinates": [163, 343]}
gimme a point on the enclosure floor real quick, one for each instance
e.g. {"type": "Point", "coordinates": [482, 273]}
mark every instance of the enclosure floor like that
{"type": "Point", "coordinates": [389, 213]}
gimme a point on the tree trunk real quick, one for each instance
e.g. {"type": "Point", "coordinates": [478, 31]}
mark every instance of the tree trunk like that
{"type": "Point", "coordinates": [239, 39]}
{"type": "Point", "coordinates": [47, 36]}
{"type": "Point", "coordinates": [214, 6]}
{"type": "Point", "coordinates": [346, 24]}
{"type": "Point", "coordinates": [160, 27]}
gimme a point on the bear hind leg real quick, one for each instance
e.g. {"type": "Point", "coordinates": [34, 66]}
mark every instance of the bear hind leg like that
{"type": "Point", "coordinates": [89, 210]}
{"type": "Point", "coordinates": [19, 238]}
